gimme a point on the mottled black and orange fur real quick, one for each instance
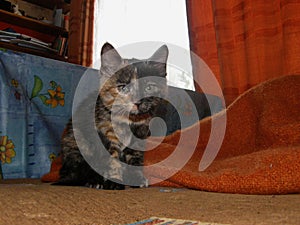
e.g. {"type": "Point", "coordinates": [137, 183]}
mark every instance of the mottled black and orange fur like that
{"type": "Point", "coordinates": [128, 88]}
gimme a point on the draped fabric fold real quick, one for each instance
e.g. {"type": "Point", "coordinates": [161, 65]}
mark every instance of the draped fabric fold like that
{"type": "Point", "coordinates": [81, 32]}
{"type": "Point", "coordinates": [245, 42]}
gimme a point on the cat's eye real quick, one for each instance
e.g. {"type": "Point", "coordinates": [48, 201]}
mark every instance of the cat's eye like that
{"type": "Point", "coordinates": [150, 88]}
{"type": "Point", "coordinates": [124, 89]}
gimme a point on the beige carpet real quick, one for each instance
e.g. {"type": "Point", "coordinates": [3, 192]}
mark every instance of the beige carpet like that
{"type": "Point", "coordinates": [31, 202]}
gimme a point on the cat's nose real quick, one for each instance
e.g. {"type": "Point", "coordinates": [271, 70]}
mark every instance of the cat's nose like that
{"type": "Point", "coordinates": [136, 106]}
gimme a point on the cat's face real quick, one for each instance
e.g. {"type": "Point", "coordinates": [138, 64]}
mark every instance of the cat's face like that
{"type": "Point", "coordinates": [133, 86]}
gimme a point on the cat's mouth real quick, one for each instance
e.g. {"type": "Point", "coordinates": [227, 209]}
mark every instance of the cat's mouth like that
{"type": "Point", "coordinates": [136, 115]}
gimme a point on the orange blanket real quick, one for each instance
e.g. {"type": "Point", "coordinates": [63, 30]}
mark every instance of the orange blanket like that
{"type": "Point", "coordinates": [260, 153]}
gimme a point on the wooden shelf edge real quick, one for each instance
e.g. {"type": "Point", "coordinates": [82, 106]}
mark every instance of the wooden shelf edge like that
{"type": "Point", "coordinates": [45, 54]}
{"type": "Point", "coordinates": [29, 23]}
{"type": "Point", "coordinates": [50, 4]}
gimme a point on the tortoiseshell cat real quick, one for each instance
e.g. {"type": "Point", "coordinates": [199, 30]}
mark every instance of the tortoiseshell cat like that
{"type": "Point", "coordinates": [130, 90]}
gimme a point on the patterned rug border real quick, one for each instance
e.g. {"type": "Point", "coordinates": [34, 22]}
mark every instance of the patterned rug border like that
{"type": "Point", "coordinates": [170, 221]}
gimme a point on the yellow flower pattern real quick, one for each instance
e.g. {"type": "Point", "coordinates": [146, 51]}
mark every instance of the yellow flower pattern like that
{"type": "Point", "coordinates": [56, 97]}
{"type": "Point", "coordinates": [7, 151]}
{"type": "Point", "coordinates": [52, 157]}
{"type": "Point", "coordinates": [14, 83]}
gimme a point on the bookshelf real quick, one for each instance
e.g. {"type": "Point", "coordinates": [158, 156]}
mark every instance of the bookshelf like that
{"type": "Point", "coordinates": [34, 28]}
{"type": "Point", "coordinates": [32, 24]}
{"type": "Point", "coordinates": [49, 4]}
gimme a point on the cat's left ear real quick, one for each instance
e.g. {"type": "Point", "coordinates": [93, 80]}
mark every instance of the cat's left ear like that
{"type": "Point", "coordinates": [110, 59]}
{"type": "Point", "coordinates": [161, 55]}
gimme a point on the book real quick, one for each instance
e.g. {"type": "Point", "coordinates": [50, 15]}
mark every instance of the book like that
{"type": "Point", "coordinates": [32, 45]}
{"type": "Point", "coordinates": [12, 35]}
{"type": "Point", "coordinates": [60, 44]}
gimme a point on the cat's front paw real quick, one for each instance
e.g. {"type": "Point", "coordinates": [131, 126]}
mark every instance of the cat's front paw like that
{"type": "Point", "coordinates": [93, 185]}
{"type": "Point", "coordinates": [113, 185]}
{"type": "Point", "coordinates": [141, 183]}
{"type": "Point", "coordinates": [135, 178]}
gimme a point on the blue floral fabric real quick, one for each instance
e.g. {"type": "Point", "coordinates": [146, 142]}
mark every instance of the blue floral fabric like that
{"type": "Point", "coordinates": [36, 97]}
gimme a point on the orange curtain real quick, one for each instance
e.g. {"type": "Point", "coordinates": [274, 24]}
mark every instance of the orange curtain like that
{"type": "Point", "coordinates": [245, 42]}
{"type": "Point", "coordinates": [80, 48]}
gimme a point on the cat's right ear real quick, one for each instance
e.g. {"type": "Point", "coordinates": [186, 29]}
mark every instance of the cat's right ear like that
{"type": "Point", "coordinates": [110, 58]}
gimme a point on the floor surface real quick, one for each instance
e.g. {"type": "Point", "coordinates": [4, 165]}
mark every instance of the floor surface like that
{"type": "Point", "coordinates": [32, 202]}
